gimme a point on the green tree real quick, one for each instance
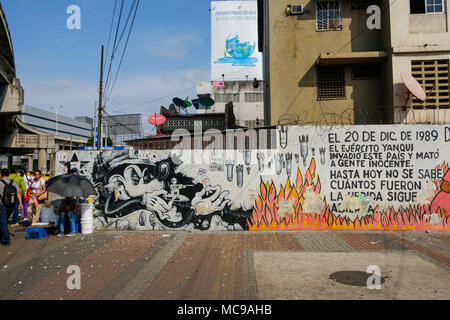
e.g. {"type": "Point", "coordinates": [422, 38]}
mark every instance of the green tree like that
{"type": "Point", "coordinates": [90, 142]}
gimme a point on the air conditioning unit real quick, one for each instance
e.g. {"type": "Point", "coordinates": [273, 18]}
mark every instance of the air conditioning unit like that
{"type": "Point", "coordinates": [294, 10]}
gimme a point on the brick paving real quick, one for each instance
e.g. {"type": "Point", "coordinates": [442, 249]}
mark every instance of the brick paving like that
{"type": "Point", "coordinates": [130, 283]}
{"type": "Point", "coordinates": [360, 241]}
{"type": "Point", "coordinates": [445, 260]}
{"type": "Point", "coordinates": [323, 242]}
{"type": "Point", "coordinates": [97, 269]}
{"type": "Point", "coordinates": [180, 265]}
{"type": "Point", "coordinates": [28, 269]}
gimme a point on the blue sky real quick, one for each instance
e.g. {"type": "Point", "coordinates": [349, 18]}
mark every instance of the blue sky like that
{"type": "Point", "coordinates": [169, 51]}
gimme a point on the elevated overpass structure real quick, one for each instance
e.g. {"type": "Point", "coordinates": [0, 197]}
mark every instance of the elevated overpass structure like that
{"type": "Point", "coordinates": [16, 137]}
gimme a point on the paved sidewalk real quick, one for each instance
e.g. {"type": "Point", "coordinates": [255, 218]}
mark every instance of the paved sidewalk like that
{"type": "Point", "coordinates": [228, 265]}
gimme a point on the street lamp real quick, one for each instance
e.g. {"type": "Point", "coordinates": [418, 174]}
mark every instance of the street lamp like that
{"type": "Point", "coordinates": [56, 112]}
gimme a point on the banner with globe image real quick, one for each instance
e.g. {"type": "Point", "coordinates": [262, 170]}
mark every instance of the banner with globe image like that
{"type": "Point", "coordinates": [234, 41]}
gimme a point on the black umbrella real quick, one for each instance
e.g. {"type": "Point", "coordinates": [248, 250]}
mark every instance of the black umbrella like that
{"type": "Point", "coordinates": [71, 185]}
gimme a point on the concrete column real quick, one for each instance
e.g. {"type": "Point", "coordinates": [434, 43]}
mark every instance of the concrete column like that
{"type": "Point", "coordinates": [10, 162]}
{"type": "Point", "coordinates": [42, 159]}
{"type": "Point", "coordinates": [30, 162]}
{"type": "Point", "coordinates": [52, 163]}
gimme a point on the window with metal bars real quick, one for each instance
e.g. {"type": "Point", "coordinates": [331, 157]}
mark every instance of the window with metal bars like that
{"type": "Point", "coordinates": [328, 15]}
{"type": "Point", "coordinates": [226, 97]}
{"type": "Point", "coordinates": [253, 97]}
{"type": "Point", "coordinates": [330, 82]}
{"type": "Point", "coordinates": [433, 76]}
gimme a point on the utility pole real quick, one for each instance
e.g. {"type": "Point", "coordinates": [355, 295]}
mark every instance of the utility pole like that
{"type": "Point", "coordinates": [94, 126]}
{"type": "Point", "coordinates": [106, 134]}
{"type": "Point", "coordinates": [100, 104]}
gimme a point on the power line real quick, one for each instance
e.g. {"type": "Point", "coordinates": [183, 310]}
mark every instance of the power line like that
{"type": "Point", "coordinates": [169, 95]}
{"type": "Point", "coordinates": [126, 23]}
{"type": "Point", "coordinates": [363, 29]}
{"type": "Point", "coordinates": [122, 125]}
{"type": "Point", "coordinates": [157, 99]}
{"type": "Point", "coordinates": [124, 49]}
{"type": "Point", "coordinates": [114, 45]}
{"type": "Point", "coordinates": [110, 30]}
{"type": "Point", "coordinates": [117, 43]}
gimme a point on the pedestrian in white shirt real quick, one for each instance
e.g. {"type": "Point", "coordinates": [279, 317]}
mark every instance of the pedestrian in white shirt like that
{"type": "Point", "coordinates": [39, 195]}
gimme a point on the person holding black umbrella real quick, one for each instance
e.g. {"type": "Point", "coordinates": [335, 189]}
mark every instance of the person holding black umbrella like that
{"type": "Point", "coordinates": [69, 207]}
{"type": "Point", "coordinates": [69, 186]}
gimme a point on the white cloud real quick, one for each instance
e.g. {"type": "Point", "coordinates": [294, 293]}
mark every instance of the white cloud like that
{"type": "Point", "coordinates": [78, 97]}
{"type": "Point", "coordinates": [174, 46]}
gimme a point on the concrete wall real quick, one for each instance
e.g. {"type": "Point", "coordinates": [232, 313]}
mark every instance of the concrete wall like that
{"type": "Point", "coordinates": [295, 46]}
{"type": "Point", "coordinates": [350, 177]}
{"type": "Point", "coordinates": [11, 99]}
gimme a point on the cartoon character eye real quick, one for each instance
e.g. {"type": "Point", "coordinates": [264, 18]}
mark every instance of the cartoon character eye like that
{"type": "Point", "coordinates": [148, 175]}
{"type": "Point", "coordinates": [133, 175]}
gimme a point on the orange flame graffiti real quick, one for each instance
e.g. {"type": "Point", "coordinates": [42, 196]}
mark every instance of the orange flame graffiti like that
{"type": "Point", "coordinates": [265, 212]}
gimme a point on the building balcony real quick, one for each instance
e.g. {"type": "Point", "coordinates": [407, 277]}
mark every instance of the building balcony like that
{"type": "Point", "coordinates": [352, 57]}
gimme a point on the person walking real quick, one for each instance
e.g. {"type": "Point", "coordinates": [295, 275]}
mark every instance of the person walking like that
{"type": "Point", "coordinates": [28, 178]}
{"type": "Point", "coordinates": [25, 177]}
{"type": "Point", "coordinates": [9, 195]}
{"type": "Point", "coordinates": [39, 195]}
{"type": "Point", "coordinates": [17, 178]}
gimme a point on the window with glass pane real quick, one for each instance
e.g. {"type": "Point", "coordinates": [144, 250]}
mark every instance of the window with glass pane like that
{"type": "Point", "coordinates": [434, 6]}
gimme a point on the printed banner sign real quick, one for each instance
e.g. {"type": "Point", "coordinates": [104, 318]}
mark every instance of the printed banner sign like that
{"type": "Point", "coordinates": [234, 41]}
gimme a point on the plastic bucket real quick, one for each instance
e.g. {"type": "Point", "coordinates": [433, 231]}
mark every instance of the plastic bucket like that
{"type": "Point", "coordinates": [87, 226]}
{"type": "Point", "coordinates": [46, 214]}
{"type": "Point", "coordinates": [87, 221]}
{"type": "Point", "coordinates": [86, 210]}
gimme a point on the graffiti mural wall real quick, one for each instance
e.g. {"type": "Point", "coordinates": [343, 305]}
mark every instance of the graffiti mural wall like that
{"type": "Point", "coordinates": [356, 177]}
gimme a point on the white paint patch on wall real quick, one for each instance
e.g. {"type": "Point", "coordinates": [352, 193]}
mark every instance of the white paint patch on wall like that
{"type": "Point", "coordinates": [354, 207]}
{"type": "Point", "coordinates": [285, 207]}
{"type": "Point", "coordinates": [313, 202]}
{"type": "Point", "coordinates": [426, 194]}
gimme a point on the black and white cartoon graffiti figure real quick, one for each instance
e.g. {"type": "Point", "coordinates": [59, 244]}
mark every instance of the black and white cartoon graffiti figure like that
{"type": "Point", "coordinates": [127, 184]}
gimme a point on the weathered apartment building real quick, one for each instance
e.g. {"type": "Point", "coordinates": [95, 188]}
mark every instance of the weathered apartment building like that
{"type": "Point", "coordinates": [248, 101]}
{"type": "Point", "coordinates": [326, 66]}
